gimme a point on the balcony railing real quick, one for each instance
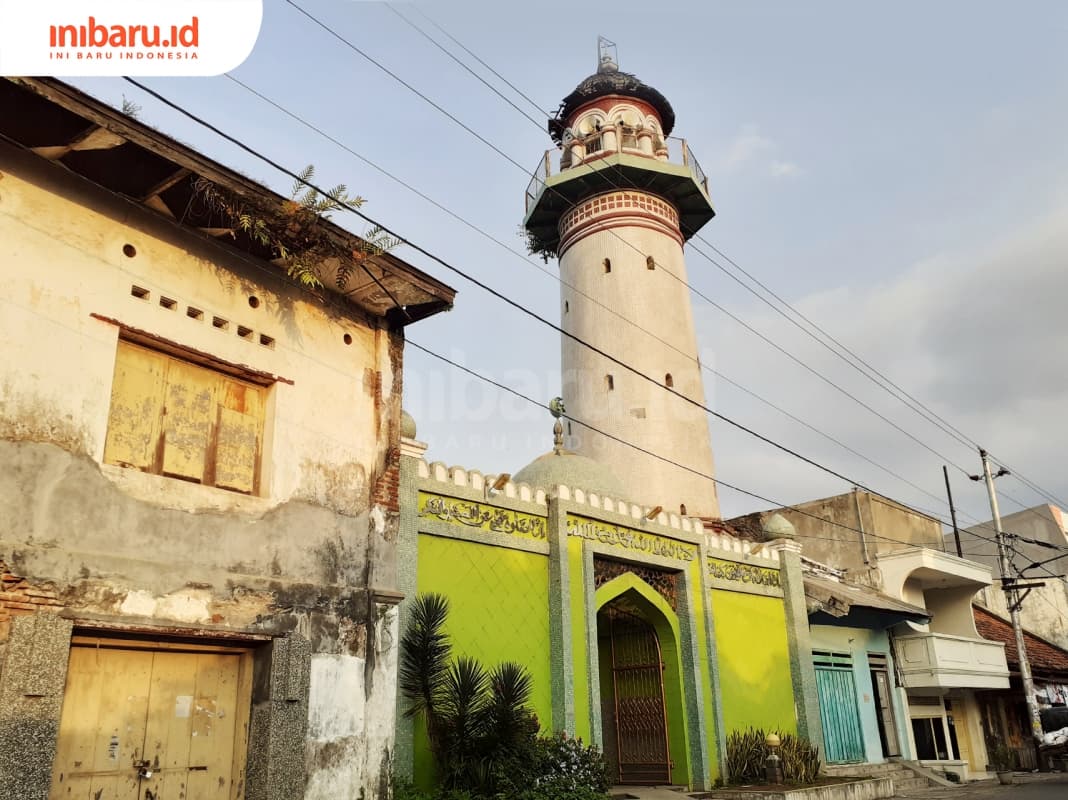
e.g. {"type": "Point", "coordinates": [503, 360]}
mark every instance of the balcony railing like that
{"type": "Point", "coordinates": [588, 151]}
{"type": "Point", "coordinates": [938, 660]}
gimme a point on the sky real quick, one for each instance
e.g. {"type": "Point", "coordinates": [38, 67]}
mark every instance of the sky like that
{"type": "Point", "coordinates": [896, 172]}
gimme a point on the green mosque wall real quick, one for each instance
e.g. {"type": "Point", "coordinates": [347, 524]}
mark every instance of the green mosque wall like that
{"type": "Point", "coordinates": [498, 601]}
{"type": "Point", "coordinates": [517, 578]}
{"type": "Point", "coordinates": [756, 686]}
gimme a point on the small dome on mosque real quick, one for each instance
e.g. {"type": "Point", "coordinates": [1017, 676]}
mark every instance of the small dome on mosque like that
{"type": "Point", "coordinates": [407, 425]}
{"type": "Point", "coordinates": [567, 468]}
{"type": "Point", "coordinates": [779, 527]}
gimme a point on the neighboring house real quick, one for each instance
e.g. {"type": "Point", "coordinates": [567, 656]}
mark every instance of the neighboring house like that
{"type": "Point", "coordinates": [1044, 609]}
{"type": "Point", "coordinates": [1005, 714]}
{"type": "Point", "coordinates": [863, 708]}
{"type": "Point", "coordinates": [199, 474]}
{"type": "Point", "coordinates": [941, 663]}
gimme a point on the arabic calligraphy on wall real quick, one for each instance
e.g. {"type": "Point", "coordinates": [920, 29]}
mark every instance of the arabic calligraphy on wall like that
{"type": "Point", "coordinates": [628, 539]}
{"type": "Point", "coordinates": [743, 573]}
{"type": "Point", "coordinates": [481, 516]}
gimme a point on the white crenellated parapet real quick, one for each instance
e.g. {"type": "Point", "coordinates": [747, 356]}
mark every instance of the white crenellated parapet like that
{"type": "Point", "coordinates": [482, 483]}
{"type": "Point", "coordinates": [731, 544]}
{"type": "Point", "coordinates": [477, 481]}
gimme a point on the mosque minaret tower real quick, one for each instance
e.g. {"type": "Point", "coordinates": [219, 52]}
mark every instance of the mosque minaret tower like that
{"type": "Point", "coordinates": [615, 205]}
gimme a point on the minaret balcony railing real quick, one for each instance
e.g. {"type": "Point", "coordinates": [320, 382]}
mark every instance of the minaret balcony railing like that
{"type": "Point", "coordinates": [584, 154]}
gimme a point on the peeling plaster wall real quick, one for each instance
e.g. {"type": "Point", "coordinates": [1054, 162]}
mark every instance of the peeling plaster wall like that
{"type": "Point", "coordinates": [351, 718]}
{"type": "Point", "coordinates": [121, 548]}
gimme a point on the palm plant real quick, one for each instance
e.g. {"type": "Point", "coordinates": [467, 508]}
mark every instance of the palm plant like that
{"type": "Point", "coordinates": [475, 719]}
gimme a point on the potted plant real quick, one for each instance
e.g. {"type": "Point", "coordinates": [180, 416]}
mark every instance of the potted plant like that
{"type": "Point", "coordinates": [1003, 760]}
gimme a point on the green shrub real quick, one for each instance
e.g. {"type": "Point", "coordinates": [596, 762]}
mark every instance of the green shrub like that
{"type": "Point", "coordinates": [557, 768]}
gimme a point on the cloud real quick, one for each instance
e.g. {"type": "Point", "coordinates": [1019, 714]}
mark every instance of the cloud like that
{"type": "Point", "coordinates": [784, 169]}
{"type": "Point", "coordinates": [752, 149]}
{"type": "Point", "coordinates": [979, 335]}
{"type": "Point", "coordinates": [745, 147]}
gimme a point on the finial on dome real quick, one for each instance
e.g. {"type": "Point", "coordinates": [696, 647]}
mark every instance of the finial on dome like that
{"type": "Point", "coordinates": [556, 408]}
{"type": "Point", "coordinates": [606, 56]}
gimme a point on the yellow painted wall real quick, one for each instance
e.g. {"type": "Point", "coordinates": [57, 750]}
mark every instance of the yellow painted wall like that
{"type": "Point", "coordinates": [754, 661]}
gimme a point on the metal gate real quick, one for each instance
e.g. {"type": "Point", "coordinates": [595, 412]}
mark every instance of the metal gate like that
{"type": "Point", "coordinates": [842, 738]}
{"type": "Point", "coordinates": [640, 711]}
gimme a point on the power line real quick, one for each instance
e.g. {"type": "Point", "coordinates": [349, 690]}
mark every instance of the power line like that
{"type": "Point", "coordinates": [485, 287]}
{"type": "Point", "coordinates": [700, 294]}
{"type": "Point", "coordinates": [880, 380]}
{"type": "Point", "coordinates": [718, 481]}
{"type": "Point", "coordinates": [594, 300]}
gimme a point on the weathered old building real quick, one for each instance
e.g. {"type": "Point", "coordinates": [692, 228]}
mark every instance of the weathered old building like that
{"type": "Point", "coordinates": [198, 472]}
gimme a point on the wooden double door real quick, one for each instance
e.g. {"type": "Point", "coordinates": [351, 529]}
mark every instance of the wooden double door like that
{"type": "Point", "coordinates": [152, 724]}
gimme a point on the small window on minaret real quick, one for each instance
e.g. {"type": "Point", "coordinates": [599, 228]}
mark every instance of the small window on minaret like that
{"type": "Point", "coordinates": [682, 509]}
{"type": "Point", "coordinates": [669, 381]}
{"type": "Point", "coordinates": [608, 265]}
{"type": "Point", "coordinates": [566, 307]}
{"type": "Point", "coordinates": [650, 263]}
{"type": "Point", "coordinates": [609, 382]}
{"type": "Point", "coordinates": [569, 428]}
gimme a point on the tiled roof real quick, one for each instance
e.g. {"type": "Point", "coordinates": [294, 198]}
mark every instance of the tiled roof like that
{"type": "Point", "coordinates": [1044, 656]}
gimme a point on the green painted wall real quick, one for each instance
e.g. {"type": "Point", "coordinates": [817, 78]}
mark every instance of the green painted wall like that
{"type": "Point", "coordinates": [499, 611]}
{"type": "Point", "coordinates": [754, 661]}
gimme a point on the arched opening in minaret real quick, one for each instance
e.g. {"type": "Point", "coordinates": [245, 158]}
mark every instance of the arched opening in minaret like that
{"type": "Point", "coordinates": [669, 381]}
{"type": "Point", "coordinates": [607, 265]}
{"type": "Point", "coordinates": [609, 382]}
{"type": "Point", "coordinates": [567, 308]}
{"type": "Point", "coordinates": [650, 262]}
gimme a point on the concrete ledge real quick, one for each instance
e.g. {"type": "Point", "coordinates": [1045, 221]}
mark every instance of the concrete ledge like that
{"type": "Point", "coordinates": [852, 790]}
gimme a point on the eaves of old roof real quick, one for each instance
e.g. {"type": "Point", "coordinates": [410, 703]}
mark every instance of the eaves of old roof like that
{"type": "Point", "coordinates": [59, 123]}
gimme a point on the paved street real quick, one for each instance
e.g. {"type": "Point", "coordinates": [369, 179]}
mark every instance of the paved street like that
{"type": "Point", "coordinates": [1027, 787]}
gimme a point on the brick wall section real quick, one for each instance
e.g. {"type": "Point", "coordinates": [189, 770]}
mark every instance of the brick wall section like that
{"type": "Point", "coordinates": [387, 487]}
{"type": "Point", "coordinates": [18, 596]}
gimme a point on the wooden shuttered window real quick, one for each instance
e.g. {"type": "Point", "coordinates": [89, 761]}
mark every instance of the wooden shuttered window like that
{"type": "Point", "coordinates": [180, 419]}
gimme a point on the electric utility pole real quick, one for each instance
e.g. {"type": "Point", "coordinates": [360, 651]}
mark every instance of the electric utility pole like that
{"type": "Point", "coordinates": [1008, 584]}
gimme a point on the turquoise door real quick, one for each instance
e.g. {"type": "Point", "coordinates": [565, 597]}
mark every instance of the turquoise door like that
{"type": "Point", "coordinates": [842, 739]}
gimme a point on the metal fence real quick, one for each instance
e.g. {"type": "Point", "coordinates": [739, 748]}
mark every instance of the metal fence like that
{"type": "Point", "coordinates": [560, 160]}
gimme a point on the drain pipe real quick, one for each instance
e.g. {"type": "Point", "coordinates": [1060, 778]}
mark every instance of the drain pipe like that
{"type": "Point", "coordinates": [860, 526]}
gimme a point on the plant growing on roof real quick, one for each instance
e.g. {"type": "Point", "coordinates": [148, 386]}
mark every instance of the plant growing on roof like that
{"type": "Point", "coordinates": [293, 233]}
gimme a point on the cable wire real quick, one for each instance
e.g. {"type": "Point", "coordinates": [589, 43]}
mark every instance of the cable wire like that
{"type": "Point", "coordinates": [494, 292]}
{"type": "Point", "coordinates": [864, 367]}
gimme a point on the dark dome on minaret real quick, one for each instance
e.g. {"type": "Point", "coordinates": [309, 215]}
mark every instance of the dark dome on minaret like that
{"type": "Point", "coordinates": [609, 80]}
